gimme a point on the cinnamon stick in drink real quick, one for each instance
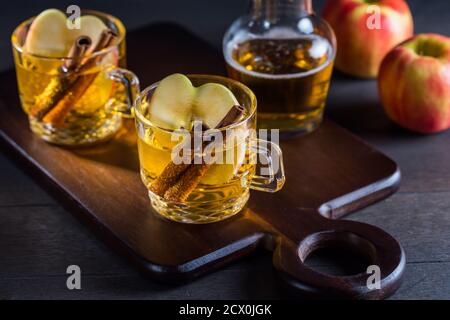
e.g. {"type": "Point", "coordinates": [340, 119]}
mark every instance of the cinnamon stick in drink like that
{"type": "Point", "coordinates": [55, 90]}
{"type": "Point", "coordinates": [57, 115]}
{"type": "Point", "coordinates": [191, 177]}
{"type": "Point", "coordinates": [167, 178]}
{"type": "Point", "coordinates": [79, 49]}
{"type": "Point", "coordinates": [181, 190]}
{"type": "Point", "coordinates": [172, 172]}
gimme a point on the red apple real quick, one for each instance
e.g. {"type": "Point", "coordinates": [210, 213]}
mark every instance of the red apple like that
{"type": "Point", "coordinates": [366, 30]}
{"type": "Point", "coordinates": [414, 83]}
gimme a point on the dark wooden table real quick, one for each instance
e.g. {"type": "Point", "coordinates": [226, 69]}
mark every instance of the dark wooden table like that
{"type": "Point", "coordinates": [39, 239]}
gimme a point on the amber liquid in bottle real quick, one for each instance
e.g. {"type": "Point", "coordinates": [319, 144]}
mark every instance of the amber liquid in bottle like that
{"type": "Point", "coordinates": [290, 77]}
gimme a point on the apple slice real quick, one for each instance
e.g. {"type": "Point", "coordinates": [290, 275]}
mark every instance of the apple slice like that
{"type": "Point", "coordinates": [176, 103]}
{"type": "Point", "coordinates": [219, 174]}
{"type": "Point", "coordinates": [48, 34]}
{"type": "Point", "coordinates": [212, 103]}
{"type": "Point", "coordinates": [171, 104]}
{"type": "Point", "coordinates": [90, 26]}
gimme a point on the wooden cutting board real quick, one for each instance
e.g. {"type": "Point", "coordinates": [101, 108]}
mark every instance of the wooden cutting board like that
{"type": "Point", "coordinates": [329, 174]}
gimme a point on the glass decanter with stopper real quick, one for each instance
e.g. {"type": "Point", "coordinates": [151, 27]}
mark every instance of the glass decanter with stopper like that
{"type": "Point", "coordinates": [285, 54]}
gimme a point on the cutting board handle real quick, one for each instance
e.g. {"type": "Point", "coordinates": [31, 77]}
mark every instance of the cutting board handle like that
{"type": "Point", "coordinates": [379, 248]}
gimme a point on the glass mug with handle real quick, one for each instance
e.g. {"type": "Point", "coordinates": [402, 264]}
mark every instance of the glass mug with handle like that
{"type": "Point", "coordinates": [79, 98]}
{"type": "Point", "coordinates": [205, 192]}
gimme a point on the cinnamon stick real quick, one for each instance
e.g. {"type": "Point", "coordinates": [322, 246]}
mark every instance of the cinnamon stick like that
{"type": "Point", "coordinates": [78, 50]}
{"type": "Point", "coordinates": [189, 180]}
{"type": "Point", "coordinates": [55, 90]}
{"type": "Point", "coordinates": [172, 172]}
{"type": "Point", "coordinates": [191, 177]}
{"type": "Point", "coordinates": [58, 113]}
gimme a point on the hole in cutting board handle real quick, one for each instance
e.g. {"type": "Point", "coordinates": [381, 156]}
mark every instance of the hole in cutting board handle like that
{"type": "Point", "coordinates": [344, 253]}
{"type": "Point", "coordinates": [336, 261]}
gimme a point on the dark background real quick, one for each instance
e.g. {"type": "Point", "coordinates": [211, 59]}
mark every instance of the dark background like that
{"type": "Point", "coordinates": [207, 18]}
{"type": "Point", "coordinates": [39, 239]}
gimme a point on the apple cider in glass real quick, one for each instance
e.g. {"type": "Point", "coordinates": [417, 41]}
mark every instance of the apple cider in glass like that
{"type": "Point", "coordinates": [88, 117]}
{"type": "Point", "coordinates": [220, 192]}
{"type": "Point", "coordinates": [197, 190]}
{"type": "Point", "coordinates": [69, 81]}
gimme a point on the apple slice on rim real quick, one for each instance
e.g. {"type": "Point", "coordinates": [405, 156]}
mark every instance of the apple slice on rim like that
{"type": "Point", "coordinates": [48, 34]}
{"type": "Point", "coordinates": [171, 104]}
{"type": "Point", "coordinates": [176, 103]}
{"type": "Point", "coordinates": [212, 103]}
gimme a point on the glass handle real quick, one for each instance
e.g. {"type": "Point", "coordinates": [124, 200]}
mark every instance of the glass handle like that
{"type": "Point", "coordinates": [124, 103]}
{"type": "Point", "coordinates": [269, 163]}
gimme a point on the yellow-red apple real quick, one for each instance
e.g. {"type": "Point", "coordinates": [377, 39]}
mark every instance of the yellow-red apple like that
{"type": "Point", "coordinates": [414, 83]}
{"type": "Point", "coordinates": [366, 30]}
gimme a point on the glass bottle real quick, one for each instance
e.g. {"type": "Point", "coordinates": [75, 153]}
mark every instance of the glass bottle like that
{"type": "Point", "coordinates": [285, 54]}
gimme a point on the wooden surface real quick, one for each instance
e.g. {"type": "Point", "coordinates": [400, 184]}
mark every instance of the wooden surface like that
{"type": "Point", "coordinates": [329, 174]}
{"type": "Point", "coordinates": [39, 238]}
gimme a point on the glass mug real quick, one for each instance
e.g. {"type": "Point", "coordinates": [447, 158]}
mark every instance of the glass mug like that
{"type": "Point", "coordinates": [76, 107]}
{"type": "Point", "coordinates": [224, 189]}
